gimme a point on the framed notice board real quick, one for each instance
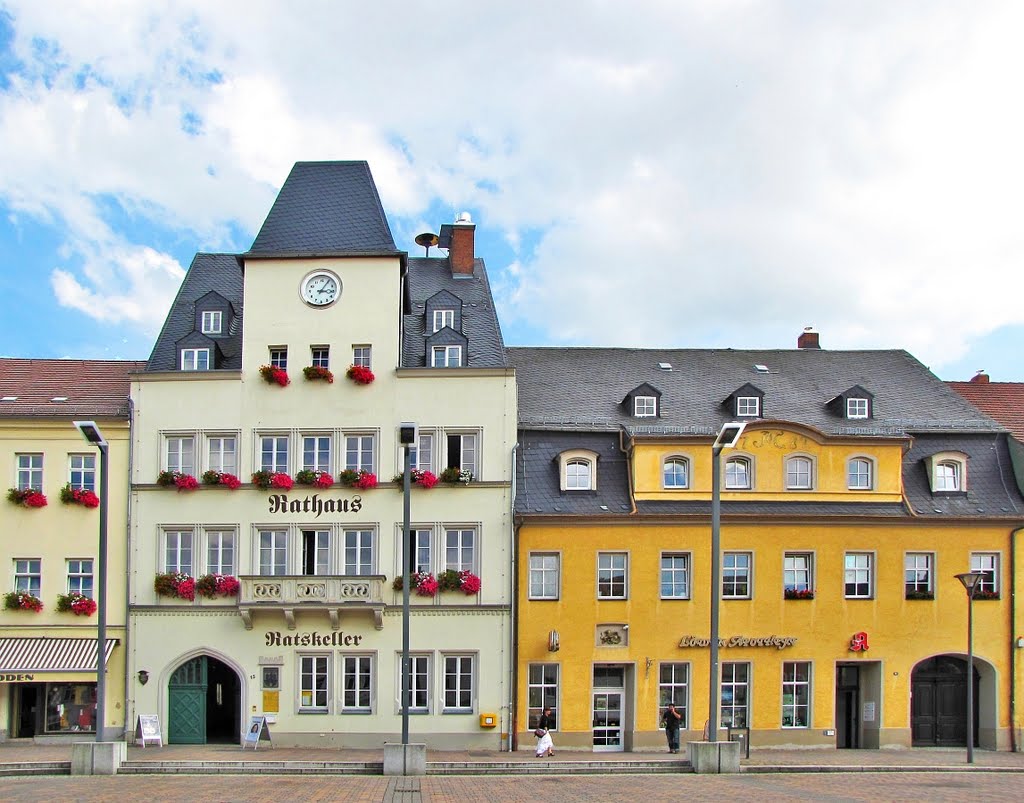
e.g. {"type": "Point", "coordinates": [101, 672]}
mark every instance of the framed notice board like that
{"type": "Point", "coordinates": [147, 729]}
{"type": "Point", "coordinates": [259, 731]}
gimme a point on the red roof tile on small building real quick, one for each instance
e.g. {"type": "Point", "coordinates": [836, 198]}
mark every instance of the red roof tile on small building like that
{"type": "Point", "coordinates": [1003, 401]}
{"type": "Point", "coordinates": [65, 388]}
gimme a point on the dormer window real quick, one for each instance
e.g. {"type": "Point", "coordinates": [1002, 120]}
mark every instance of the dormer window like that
{"type": "Point", "coordinates": [853, 404]}
{"type": "Point", "coordinates": [856, 408]}
{"type": "Point", "coordinates": [645, 406]}
{"type": "Point", "coordinates": [212, 322]}
{"type": "Point", "coordinates": [195, 359]}
{"type": "Point", "coordinates": [577, 470]}
{"type": "Point", "coordinates": [947, 476]}
{"type": "Point", "coordinates": [443, 318]}
{"type": "Point", "coordinates": [745, 402]}
{"type": "Point", "coordinates": [446, 356]}
{"type": "Point", "coordinates": [948, 472]}
{"type": "Point", "coordinates": [748, 406]}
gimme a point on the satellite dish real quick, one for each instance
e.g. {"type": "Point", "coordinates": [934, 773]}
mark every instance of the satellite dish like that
{"type": "Point", "coordinates": [427, 239]}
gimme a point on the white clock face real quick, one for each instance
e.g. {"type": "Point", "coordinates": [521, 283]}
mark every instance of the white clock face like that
{"type": "Point", "coordinates": [321, 288]}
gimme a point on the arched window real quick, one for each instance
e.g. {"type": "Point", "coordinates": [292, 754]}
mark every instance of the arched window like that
{"type": "Point", "coordinates": [737, 473]}
{"type": "Point", "coordinates": [577, 475]}
{"type": "Point", "coordinates": [677, 472]}
{"type": "Point", "coordinates": [577, 470]}
{"type": "Point", "coordinates": [859, 475]}
{"type": "Point", "coordinates": [799, 473]}
{"type": "Point", "coordinates": [947, 476]}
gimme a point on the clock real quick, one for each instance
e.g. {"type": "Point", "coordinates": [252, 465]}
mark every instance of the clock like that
{"type": "Point", "coordinates": [320, 288]}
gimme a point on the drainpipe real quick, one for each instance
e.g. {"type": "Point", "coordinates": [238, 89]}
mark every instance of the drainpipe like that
{"type": "Point", "coordinates": [629, 468]}
{"type": "Point", "coordinates": [129, 659]}
{"type": "Point", "coordinates": [1013, 637]}
{"type": "Point", "coordinates": [513, 614]}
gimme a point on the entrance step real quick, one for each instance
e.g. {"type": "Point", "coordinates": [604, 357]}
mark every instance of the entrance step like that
{"type": "Point", "coordinates": [35, 768]}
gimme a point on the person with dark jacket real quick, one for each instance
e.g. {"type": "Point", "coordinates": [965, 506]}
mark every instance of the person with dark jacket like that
{"type": "Point", "coordinates": [672, 719]}
{"type": "Point", "coordinates": [545, 747]}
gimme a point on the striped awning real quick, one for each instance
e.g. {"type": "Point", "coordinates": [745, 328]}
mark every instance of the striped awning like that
{"type": "Point", "coordinates": [46, 654]}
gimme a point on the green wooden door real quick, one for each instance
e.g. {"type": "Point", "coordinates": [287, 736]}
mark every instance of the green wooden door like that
{"type": "Point", "coordinates": [186, 717]}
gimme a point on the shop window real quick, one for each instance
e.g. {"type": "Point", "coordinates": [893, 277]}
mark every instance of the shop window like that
{"type": "Point", "coordinates": [673, 687]}
{"type": "Point", "coordinates": [796, 694]}
{"type": "Point", "coordinates": [542, 692]}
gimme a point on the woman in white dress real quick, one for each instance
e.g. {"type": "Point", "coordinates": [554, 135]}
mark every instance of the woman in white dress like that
{"type": "Point", "coordinates": [545, 746]}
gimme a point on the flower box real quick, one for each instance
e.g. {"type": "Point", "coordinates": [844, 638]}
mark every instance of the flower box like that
{"type": "Point", "coordinates": [315, 373]}
{"type": "Point", "coordinates": [175, 584]}
{"type": "Point", "coordinates": [76, 603]}
{"type": "Point", "coordinates": [271, 479]}
{"type": "Point", "coordinates": [273, 375]}
{"type": "Point", "coordinates": [360, 374]}
{"type": "Point", "coordinates": [181, 481]}
{"type": "Point", "coordinates": [217, 585]}
{"type": "Point", "coordinates": [454, 580]}
{"type": "Point", "coordinates": [78, 496]}
{"type": "Point", "coordinates": [914, 594]}
{"type": "Point", "coordinates": [456, 476]}
{"type": "Point", "coordinates": [424, 583]}
{"type": "Point", "coordinates": [221, 478]}
{"type": "Point", "coordinates": [424, 479]}
{"type": "Point", "coordinates": [320, 479]}
{"type": "Point", "coordinates": [22, 601]}
{"type": "Point", "coordinates": [362, 479]}
{"type": "Point", "coordinates": [26, 497]}
{"type": "Point", "coordinates": [799, 593]}
{"type": "Point", "coordinates": [978, 594]}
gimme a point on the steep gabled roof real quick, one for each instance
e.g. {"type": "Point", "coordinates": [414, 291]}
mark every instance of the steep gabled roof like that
{"type": "Point", "coordinates": [325, 209]}
{"type": "Point", "coordinates": [1003, 401]}
{"type": "Point", "coordinates": [93, 388]}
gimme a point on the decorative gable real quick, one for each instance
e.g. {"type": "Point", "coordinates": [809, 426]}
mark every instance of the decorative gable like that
{"type": "Point", "coordinates": [644, 401]}
{"type": "Point", "coordinates": [214, 315]}
{"type": "Point", "coordinates": [190, 355]}
{"type": "Point", "coordinates": [440, 310]}
{"type": "Point", "coordinates": [745, 402]}
{"type": "Point", "coordinates": [855, 403]}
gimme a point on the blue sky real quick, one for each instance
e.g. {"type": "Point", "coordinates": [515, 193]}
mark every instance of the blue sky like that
{"type": "Point", "coordinates": [689, 174]}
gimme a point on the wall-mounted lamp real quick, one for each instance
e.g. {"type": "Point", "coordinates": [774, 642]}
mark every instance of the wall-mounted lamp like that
{"type": "Point", "coordinates": [553, 641]}
{"type": "Point", "coordinates": [143, 677]}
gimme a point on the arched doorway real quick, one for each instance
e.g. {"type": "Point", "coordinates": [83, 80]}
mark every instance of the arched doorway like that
{"type": "Point", "coordinates": [203, 703]}
{"type": "Point", "coordinates": [938, 709]}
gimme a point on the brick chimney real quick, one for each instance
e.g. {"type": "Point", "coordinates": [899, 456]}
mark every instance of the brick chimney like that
{"type": "Point", "coordinates": [808, 339]}
{"type": "Point", "coordinates": [980, 378]}
{"type": "Point", "coordinates": [462, 251]}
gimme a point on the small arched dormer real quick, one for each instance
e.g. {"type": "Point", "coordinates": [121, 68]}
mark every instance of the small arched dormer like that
{"type": "Point", "coordinates": [577, 470]}
{"type": "Point", "coordinates": [947, 472]}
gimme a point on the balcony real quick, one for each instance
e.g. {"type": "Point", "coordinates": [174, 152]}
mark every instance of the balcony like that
{"type": "Point", "coordinates": [332, 594]}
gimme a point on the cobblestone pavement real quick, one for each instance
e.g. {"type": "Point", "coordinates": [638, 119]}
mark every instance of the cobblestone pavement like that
{"type": "Point", "coordinates": [880, 786]}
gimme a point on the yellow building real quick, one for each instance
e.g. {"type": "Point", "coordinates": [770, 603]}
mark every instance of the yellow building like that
{"type": "Point", "coordinates": [860, 487]}
{"type": "Point", "coordinates": [49, 536]}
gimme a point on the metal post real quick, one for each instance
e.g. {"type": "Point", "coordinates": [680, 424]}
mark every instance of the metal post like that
{"type": "Point", "coordinates": [716, 568]}
{"type": "Point", "coordinates": [970, 674]}
{"type": "Point", "coordinates": [406, 579]}
{"type": "Point", "coordinates": [101, 601]}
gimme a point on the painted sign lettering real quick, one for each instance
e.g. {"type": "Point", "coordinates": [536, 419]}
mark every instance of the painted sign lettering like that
{"type": "Point", "coordinates": [338, 638]}
{"type": "Point", "coordinates": [13, 678]}
{"type": "Point", "coordinates": [280, 503]}
{"type": "Point", "coordinates": [778, 642]}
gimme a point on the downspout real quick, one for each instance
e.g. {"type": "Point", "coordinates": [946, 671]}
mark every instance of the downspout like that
{"type": "Point", "coordinates": [129, 726]}
{"type": "Point", "coordinates": [627, 451]}
{"type": "Point", "coordinates": [1013, 638]}
{"type": "Point", "coordinates": [512, 740]}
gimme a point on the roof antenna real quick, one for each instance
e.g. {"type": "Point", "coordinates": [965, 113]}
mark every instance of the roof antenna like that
{"type": "Point", "coordinates": [427, 239]}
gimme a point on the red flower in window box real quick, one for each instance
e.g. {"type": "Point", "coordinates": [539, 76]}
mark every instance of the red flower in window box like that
{"type": "Point", "coordinates": [361, 479]}
{"type": "Point", "coordinates": [26, 497]}
{"type": "Point", "coordinates": [316, 372]}
{"type": "Point", "coordinates": [221, 478]}
{"type": "Point", "coordinates": [183, 482]}
{"type": "Point", "coordinates": [319, 479]}
{"type": "Point", "coordinates": [22, 601]}
{"type": "Point", "coordinates": [175, 584]}
{"type": "Point", "coordinates": [76, 603]}
{"type": "Point", "coordinates": [424, 583]}
{"type": "Point", "coordinates": [217, 585]}
{"type": "Point", "coordinates": [274, 375]}
{"type": "Point", "coordinates": [270, 479]}
{"type": "Point", "coordinates": [78, 496]}
{"type": "Point", "coordinates": [799, 593]}
{"type": "Point", "coordinates": [360, 374]}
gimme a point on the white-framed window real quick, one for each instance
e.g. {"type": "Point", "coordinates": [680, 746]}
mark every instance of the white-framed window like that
{"type": "Point", "coordinates": [359, 552]}
{"type": "Point", "coordinates": [857, 575]}
{"type": "Point", "coordinates": [362, 356]}
{"type": "Point", "coordinates": [421, 454]}
{"type": "Point", "coordinates": [181, 453]}
{"type": "Point", "coordinates": [222, 453]}
{"type": "Point", "coordinates": [738, 474]}
{"type": "Point", "coordinates": [273, 552]}
{"type": "Point", "coordinates": [947, 475]}
{"type": "Point", "coordinates": [748, 406]}
{"type": "Point", "coordinates": [988, 564]}
{"type": "Point", "coordinates": [314, 683]}
{"type": "Point", "coordinates": [859, 474]}
{"type": "Point", "coordinates": [359, 451]}
{"type": "Point", "coordinates": [545, 575]}
{"type": "Point", "coordinates": [274, 453]}
{"type": "Point", "coordinates": [28, 575]}
{"type": "Point", "coordinates": [736, 571]}
{"type": "Point", "coordinates": [443, 318]}
{"type": "Point", "coordinates": [82, 471]}
{"type": "Point", "coordinates": [463, 452]}
{"type": "Point", "coordinates": [676, 472]}
{"type": "Point", "coordinates": [460, 549]}
{"type": "Point", "coordinates": [856, 408]}
{"type": "Point", "coordinates": [357, 684]}
{"type": "Point", "coordinates": [220, 552]}
{"type": "Point", "coordinates": [675, 575]}
{"type": "Point", "coordinates": [320, 356]}
{"type": "Point", "coordinates": [612, 575]}
{"type": "Point", "coordinates": [316, 552]}
{"type": "Point", "coordinates": [80, 576]}
{"type": "Point", "coordinates": [420, 552]}
{"type": "Point", "coordinates": [577, 474]}
{"type": "Point", "coordinates": [918, 574]}
{"type": "Point", "coordinates": [446, 356]}
{"type": "Point", "coordinates": [799, 473]}
{"type": "Point", "coordinates": [211, 324]}
{"type": "Point", "coordinates": [735, 695]}
{"type": "Point", "coordinates": [798, 573]}
{"type": "Point", "coordinates": [178, 551]}
{"type": "Point", "coordinates": [796, 694]}
{"type": "Point", "coordinates": [645, 406]}
{"type": "Point", "coordinates": [195, 359]}
{"type": "Point", "coordinates": [316, 453]}
{"type": "Point", "coordinates": [541, 693]}
{"type": "Point", "coordinates": [279, 357]}
{"type": "Point", "coordinates": [419, 683]}
{"type": "Point", "coordinates": [457, 684]}
{"type": "Point", "coordinates": [673, 687]}
{"type": "Point", "coordinates": [30, 472]}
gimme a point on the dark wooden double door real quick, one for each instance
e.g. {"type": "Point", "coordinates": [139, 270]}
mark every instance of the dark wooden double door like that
{"type": "Point", "coordinates": [204, 697]}
{"type": "Point", "coordinates": [938, 708]}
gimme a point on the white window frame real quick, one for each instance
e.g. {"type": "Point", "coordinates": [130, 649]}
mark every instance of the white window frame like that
{"type": "Point", "coordinates": [356, 667]}
{"type": "Point", "coordinates": [948, 475]}
{"type": "Point", "coordinates": [748, 406]}
{"type": "Point", "coordinates": [988, 564]}
{"type": "Point", "coordinates": [673, 573]}
{"type": "Point", "coordinates": [446, 357]}
{"type": "Point", "coordinates": [279, 357]}
{"type": "Point", "coordinates": [861, 480]}
{"type": "Point", "coordinates": [732, 571]}
{"type": "Point", "coordinates": [180, 453]}
{"type": "Point", "coordinates": [179, 551]}
{"type": "Point", "coordinates": [319, 668]}
{"type": "Point", "coordinates": [916, 565]}
{"type": "Point", "coordinates": [222, 453]}
{"type": "Point", "coordinates": [357, 455]}
{"type": "Point", "coordinates": [320, 356]}
{"type": "Point", "coordinates": [797, 571]}
{"type": "Point", "coordinates": [856, 408]}
{"type": "Point", "coordinates": [455, 683]}
{"type": "Point", "coordinates": [578, 473]}
{"type": "Point", "coordinates": [609, 565]}
{"type": "Point", "coordinates": [359, 551]}
{"type": "Point", "coordinates": [421, 551]}
{"type": "Point", "coordinates": [28, 575]}
{"type": "Point", "coordinates": [794, 479]}
{"type": "Point", "coordinates": [212, 322]}
{"type": "Point", "coordinates": [468, 458]}
{"type": "Point", "coordinates": [443, 318]}
{"type": "Point", "coordinates": [195, 359]}
{"type": "Point", "coordinates": [362, 355]}
{"type": "Point", "coordinates": [669, 481]}
{"type": "Point", "coordinates": [317, 451]}
{"type": "Point", "coordinates": [421, 691]}
{"type": "Point", "coordinates": [645, 406]}
{"type": "Point", "coordinates": [545, 576]}
{"type": "Point", "coordinates": [221, 551]}
{"type": "Point", "coordinates": [542, 692]}
{"type": "Point", "coordinates": [276, 458]}
{"type": "Point", "coordinates": [30, 471]}
{"type": "Point", "coordinates": [674, 687]}
{"type": "Point", "coordinates": [730, 480]}
{"type": "Point", "coordinates": [270, 549]}
{"type": "Point", "coordinates": [858, 570]}
{"type": "Point", "coordinates": [82, 472]}
{"type": "Point", "coordinates": [321, 551]}
{"type": "Point", "coordinates": [460, 548]}
{"type": "Point", "coordinates": [80, 578]}
{"type": "Point", "coordinates": [729, 686]}
{"type": "Point", "coordinates": [799, 691]}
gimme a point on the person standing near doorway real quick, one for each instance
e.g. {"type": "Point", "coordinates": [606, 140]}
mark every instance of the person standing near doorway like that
{"type": "Point", "coordinates": [672, 719]}
{"type": "Point", "coordinates": [545, 746]}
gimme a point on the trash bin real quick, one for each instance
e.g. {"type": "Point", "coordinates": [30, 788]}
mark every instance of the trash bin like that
{"type": "Point", "coordinates": [741, 735]}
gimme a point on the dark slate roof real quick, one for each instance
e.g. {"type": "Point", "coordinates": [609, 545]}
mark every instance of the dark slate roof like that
{"type": "Point", "coordinates": [326, 209]}
{"type": "Point", "coordinates": [428, 276]}
{"type": "Point", "coordinates": [991, 486]}
{"type": "Point", "coordinates": [581, 388]}
{"type": "Point", "coordinates": [94, 388]}
{"type": "Point", "coordinates": [218, 272]}
{"type": "Point", "coordinates": [537, 475]}
{"type": "Point", "coordinates": [766, 508]}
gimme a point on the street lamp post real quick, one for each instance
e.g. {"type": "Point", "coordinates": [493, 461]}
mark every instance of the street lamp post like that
{"type": "Point", "coordinates": [971, 581]}
{"type": "Point", "coordinates": [727, 437]}
{"type": "Point", "coordinates": [407, 436]}
{"type": "Point", "coordinates": [91, 432]}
